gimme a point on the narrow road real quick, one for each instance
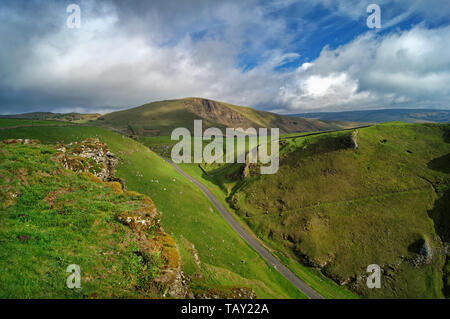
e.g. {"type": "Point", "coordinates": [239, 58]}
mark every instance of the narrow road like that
{"type": "Point", "coordinates": [263, 252]}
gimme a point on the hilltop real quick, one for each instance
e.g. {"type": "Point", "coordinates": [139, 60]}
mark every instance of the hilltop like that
{"type": "Point", "coordinates": [160, 118]}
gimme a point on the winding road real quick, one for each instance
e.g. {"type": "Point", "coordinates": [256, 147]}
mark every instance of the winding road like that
{"type": "Point", "coordinates": [263, 252]}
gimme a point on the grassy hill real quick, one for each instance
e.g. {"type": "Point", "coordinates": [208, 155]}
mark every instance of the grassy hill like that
{"type": "Point", "coordinates": [222, 180]}
{"type": "Point", "coordinates": [340, 209]}
{"type": "Point", "coordinates": [11, 123]}
{"type": "Point", "coordinates": [160, 118]}
{"type": "Point", "coordinates": [214, 258]}
{"type": "Point", "coordinates": [51, 217]}
{"type": "Point", "coordinates": [381, 116]}
{"type": "Point", "coordinates": [329, 212]}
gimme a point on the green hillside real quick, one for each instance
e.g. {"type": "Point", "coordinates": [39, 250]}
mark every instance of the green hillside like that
{"type": "Point", "coordinates": [67, 117]}
{"type": "Point", "coordinates": [51, 217]}
{"type": "Point", "coordinates": [10, 123]}
{"type": "Point", "coordinates": [330, 211]}
{"type": "Point", "coordinates": [160, 118]}
{"type": "Point", "coordinates": [214, 258]}
{"type": "Point", "coordinates": [340, 209]}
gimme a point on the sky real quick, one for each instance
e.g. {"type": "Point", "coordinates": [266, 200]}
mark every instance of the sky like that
{"type": "Point", "coordinates": [283, 56]}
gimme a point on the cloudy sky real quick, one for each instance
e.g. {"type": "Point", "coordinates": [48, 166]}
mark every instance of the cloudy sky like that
{"type": "Point", "coordinates": [281, 55]}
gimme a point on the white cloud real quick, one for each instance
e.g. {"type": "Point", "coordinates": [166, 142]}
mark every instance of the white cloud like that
{"type": "Point", "coordinates": [392, 12]}
{"type": "Point", "coordinates": [405, 69]}
{"type": "Point", "coordinates": [118, 62]}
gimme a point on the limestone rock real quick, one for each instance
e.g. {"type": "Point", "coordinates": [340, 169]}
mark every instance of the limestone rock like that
{"type": "Point", "coordinates": [354, 139]}
{"type": "Point", "coordinates": [91, 156]}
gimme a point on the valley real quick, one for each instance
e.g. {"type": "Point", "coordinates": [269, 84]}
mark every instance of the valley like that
{"type": "Point", "coordinates": [342, 199]}
{"type": "Point", "coordinates": [210, 159]}
{"type": "Point", "coordinates": [216, 265]}
{"type": "Point", "coordinates": [272, 205]}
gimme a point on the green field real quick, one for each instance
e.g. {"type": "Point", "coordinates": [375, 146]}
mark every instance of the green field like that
{"type": "Point", "coordinates": [22, 122]}
{"type": "Point", "coordinates": [225, 259]}
{"type": "Point", "coordinates": [222, 186]}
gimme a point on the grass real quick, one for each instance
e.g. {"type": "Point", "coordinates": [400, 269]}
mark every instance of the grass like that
{"type": "Point", "coordinates": [222, 186]}
{"type": "Point", "coordinates": [343, 209]}
{"type": "Point", "coordinates": [221, 181]}
{"type": "Point", "coordinates": [4, 123]}
{"type": "Point", "coordinates": [225, 259]}
{"type": "Point", "coordinates": [337, 208]}
{"type": "Point", "coordinates": [51, 218]}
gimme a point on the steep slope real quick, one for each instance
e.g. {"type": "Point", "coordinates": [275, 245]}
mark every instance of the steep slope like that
{"type": "Point", "coordinates": [160, 118]}
{"type": "Point", "coordinates": [381, 116]}
{"type": "Point", "coordinates": [214, 259]}
{"type": "Point", "coordinates": [52, 217]}
{"type": "Point", "coordinates": [340, 206]}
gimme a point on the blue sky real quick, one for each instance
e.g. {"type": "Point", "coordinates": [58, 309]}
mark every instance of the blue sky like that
{"type": "Point", "coordinates": [285, 56]}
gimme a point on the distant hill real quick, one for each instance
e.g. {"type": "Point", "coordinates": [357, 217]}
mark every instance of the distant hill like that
{"type": "Point", "coordinates": [69, 117]}
{"type": "Point", "coordinates": [160, 118]}
{"type": "Point", "coordinates": [381, 116]}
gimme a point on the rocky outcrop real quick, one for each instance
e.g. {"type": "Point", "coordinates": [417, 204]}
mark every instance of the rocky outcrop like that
{"type": "Point", "coordinates": [425, 250]}
{"type": "Point", "coordinates": [235, 293]}
{"type": "Point", "coordinates": [246, 168]}
{"type": "Point", "coordinates": [354, 139]}
{"type": "Point", "coordinates": [94, 158]}
{"type": "Point", "coordinates": [152, 240]}
{"type": "Point", "coordinates": [91, 156]}
{"type": "Point", "coordinates": [217, 112]}
{"type": "Point", "coordinates": [21, 141]}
